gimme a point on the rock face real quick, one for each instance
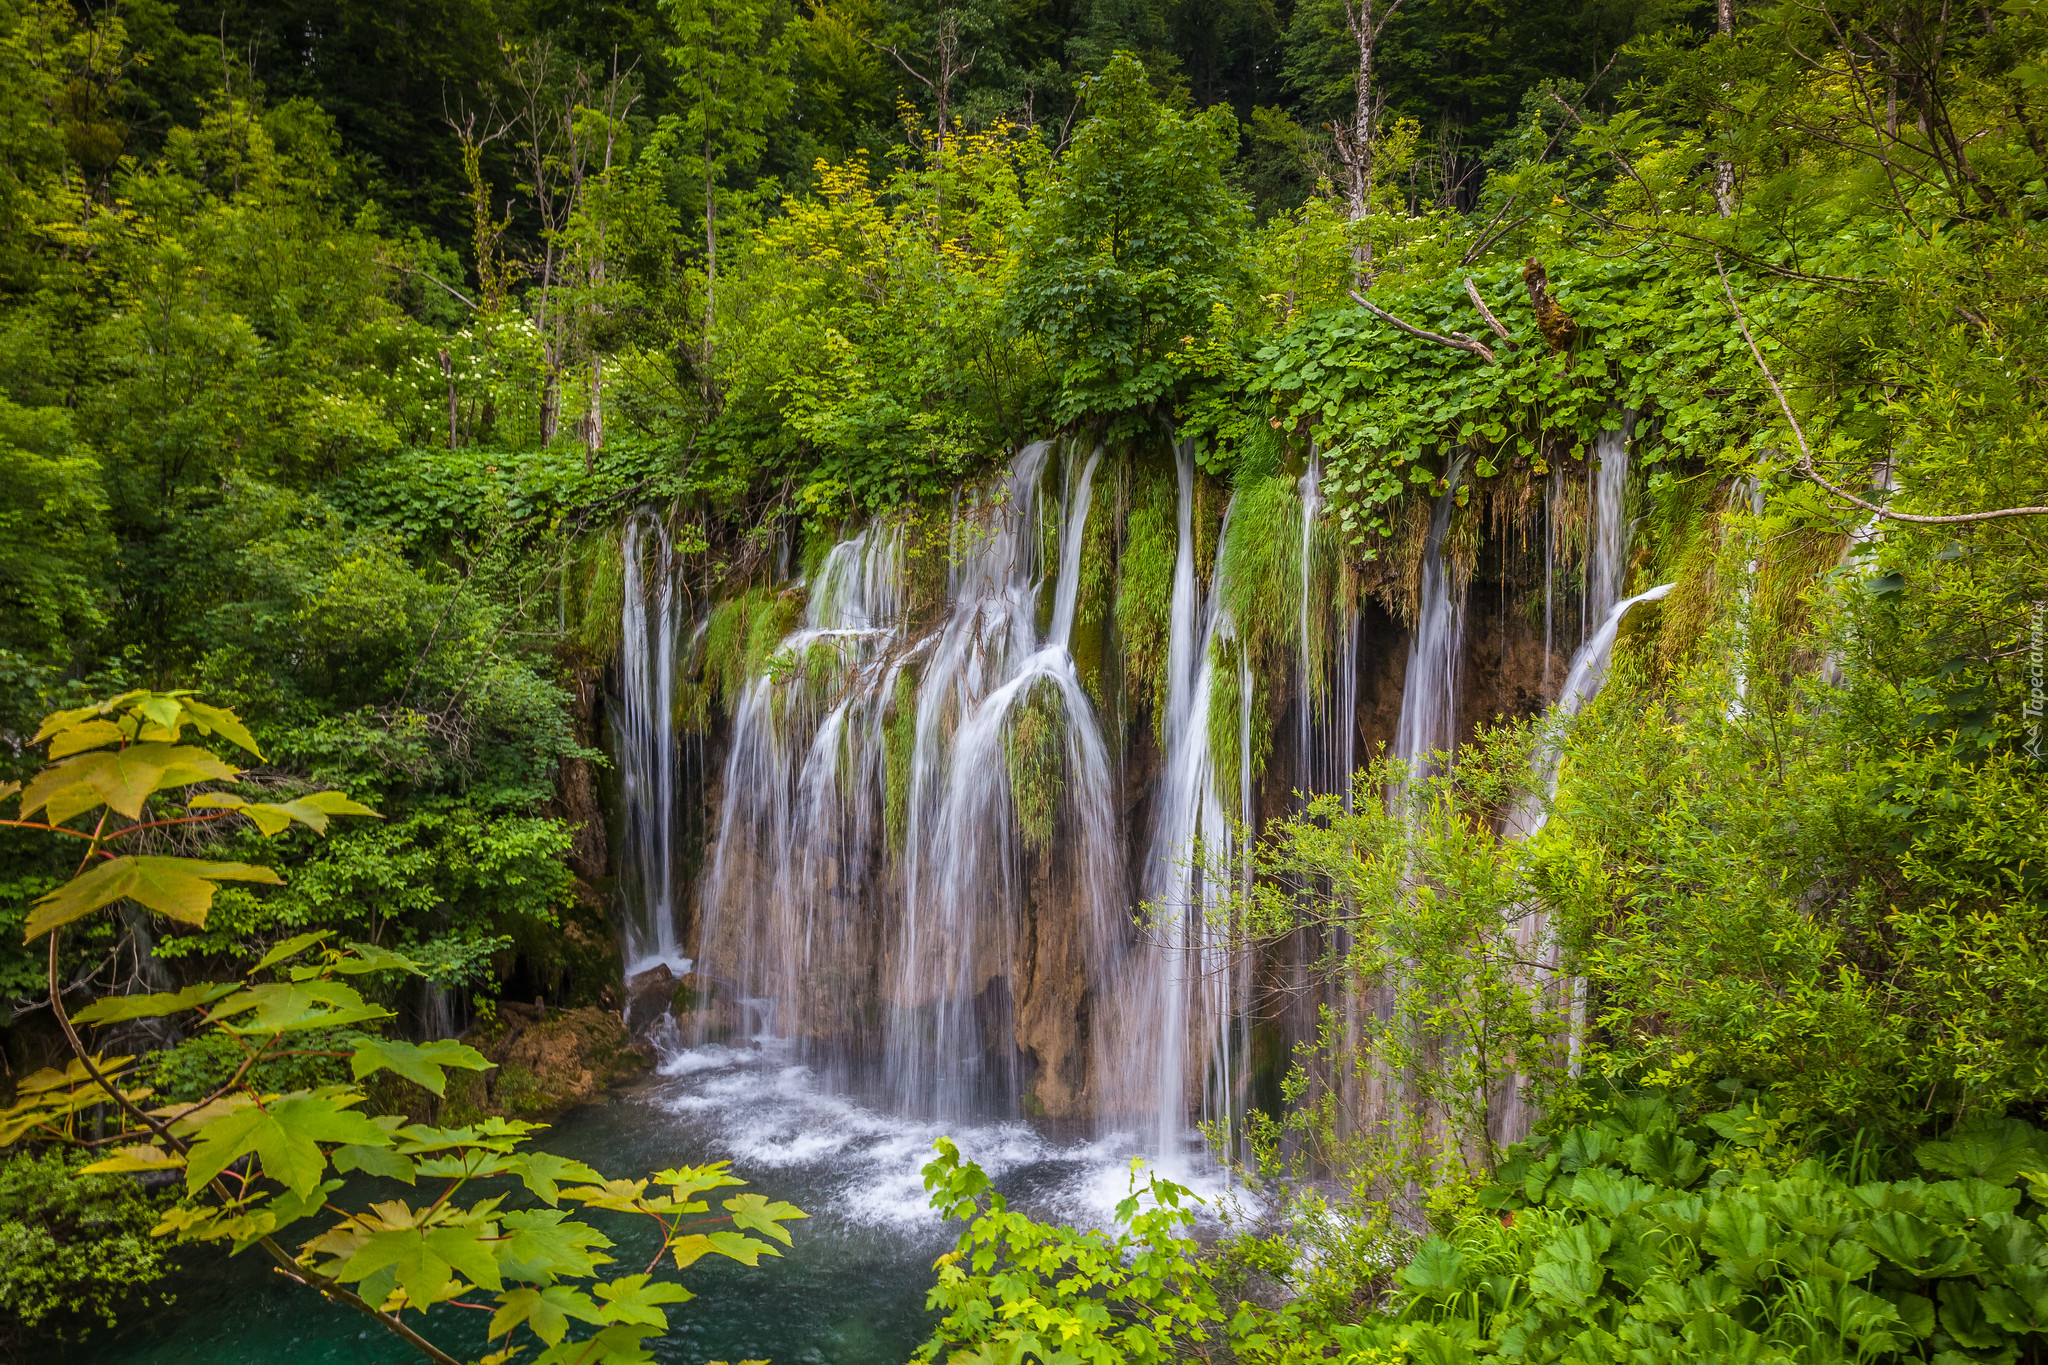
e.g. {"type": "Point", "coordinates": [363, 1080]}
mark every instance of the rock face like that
{"type": "Point", "coordinates": [546, 1063]}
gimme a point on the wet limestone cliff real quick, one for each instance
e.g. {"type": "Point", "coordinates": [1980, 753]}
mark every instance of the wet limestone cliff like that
{"type": "Point", "coordinates": [894, 805]}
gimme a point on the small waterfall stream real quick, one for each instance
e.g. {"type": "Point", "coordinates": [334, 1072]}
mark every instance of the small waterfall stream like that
{"type": "Point", "coordinates": [1429, 692]}
{"type": "Point", "coordinates": [644, 737]}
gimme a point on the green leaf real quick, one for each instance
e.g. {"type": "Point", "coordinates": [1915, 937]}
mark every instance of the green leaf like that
{"type": "Point", "coordinates": [128, 1160]}
{"type": "Point", "coordinates": [541, 1244]}
{"type": "Point", "coordinates": [421, 1063]}
{"type": "Point", "coordinates": [121, 779]}
{"type": "Point", "coordinates": [425, 1260]}
{"type": "Point", "coordinates": [114, 1008]}
{"type": "Point", "coordinates": [633, 1299]}
{"type": "Point", "coordinates": [284, 1134]}
{"type": "Point", "coordinates": [1437, 1269]}
{"type": "Point", "coordinates": [284, 1007]}
{"type": "Point", "coordinates": [219, 721]}
{"type": "Point", "coordinates": [291, 947]}
{"type": "Point", "coordinates": [1997, 1152]}
{"type": "Point", "coordinates": [547, 1311]}
{"type": "Point", "coordinates": [543, 1172]}
{"type": "Point", "coordinates": [92, 734]}
{"type": "Point", "coordinates": [692, 1247]}
{"type": "Point", "coordinates": [181, 888]}
{"type": "Point", "coordinates": [377, 1161]}
{"type": "Point", "coordinates": [369, 958]}
{"type": "Point", "coordinates": [315, 809]}
{"type": "Point", "coordinates": [756, 1212]}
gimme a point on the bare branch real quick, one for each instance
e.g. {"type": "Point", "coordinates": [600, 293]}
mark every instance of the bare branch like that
{"type": "Point", "coordinates": [1472, 292]}
{"type": "Point", "coordinates": [1806, 452]}
{"type": "Point", "coordinates": [1457, 341]}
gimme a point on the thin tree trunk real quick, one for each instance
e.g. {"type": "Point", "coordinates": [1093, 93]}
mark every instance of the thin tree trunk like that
{"type": "Point", "coordinates": [454, 407]}
{"type": "Point", "coordinates": [710, 266]}
{"type": "Point", "coordinates": [1724, 169]}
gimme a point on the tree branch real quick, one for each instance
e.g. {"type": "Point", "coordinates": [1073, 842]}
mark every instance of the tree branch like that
{"type": "Point", "coordinates": [1472, 292]}
{"type": "Point", "coordinates": [1457, 341]}
{"type": "Point", "coordinates": [1806, 452]}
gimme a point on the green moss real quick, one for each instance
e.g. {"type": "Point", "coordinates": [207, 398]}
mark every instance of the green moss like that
{"type": "Point", "coordinates": [1037, 761]}
{"type": "Point", "coordinates": [771, 623]}
{"type": "Point", "coordinates": [725, 643]}
{"type": "Point", "coordinates": [817, 543]}
{"type": "Point", "coordinates": [1210, 500]}
{"type": "Point", "coordinates": [599, 568]}
{"type": "Point", "coordinates": [1226, 723]}
{"type": "Point", "coordinates": [1144, 594]}
{"type": "Point", "coordinates": [742, 636]}
{"type": "Point", "coordinates": [1090, 643]}
{"type": "Point", "coordinates": [927, 556]}
{"type": "Point", "coordinates": [820, 671]}
{"type": "Point", "coordinates": [1262, 569]}
{"type": "Point", "coordinates": [899, 737]}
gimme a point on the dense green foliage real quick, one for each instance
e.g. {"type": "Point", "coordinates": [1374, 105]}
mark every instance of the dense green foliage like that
{"type": "Point", "coordinates": [255, 1160]}
{"type": "Point", "coordinates": [327, 372]}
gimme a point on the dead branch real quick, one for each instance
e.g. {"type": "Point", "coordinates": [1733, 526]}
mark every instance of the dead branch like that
{"type": "Point", "coordinates": [1472, 292]}
{"type": "Point", "coordinates": [1806, 452]}
{"type": "Point", "coordinates": [1457, 341]}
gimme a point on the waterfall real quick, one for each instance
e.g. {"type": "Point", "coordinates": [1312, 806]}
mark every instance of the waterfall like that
{"type": "Point", "coordinates": [1429, 695]}
{"type": "Point", "coordinates": [800, 820]}
{"type": "Point", "coordinates": [951, 1046]}
{"type": "Point", "coordinates": [1181, 987]}
{"type": "Point", "coordinates": [922, 955]}
{"type": "Point", "coordinates": [1326, 731]}
{"type": "Point", "coordinates": [916, 882]}
{"type": "Point", "coordinates": [1607, 545]}
{"type": "Point", "coordinates": [644, 734]}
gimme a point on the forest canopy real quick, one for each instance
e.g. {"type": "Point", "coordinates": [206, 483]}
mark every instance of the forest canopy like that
{"type": "Point", "coordinates": [339, 341]}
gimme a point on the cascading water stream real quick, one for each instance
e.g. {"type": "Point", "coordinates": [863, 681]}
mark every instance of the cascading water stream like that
{"type": "Point", "coordinates": [1182, 983]}
{"type": "Point", "coordinates": [1428, 724]}
{"type": "Point", "coordinates": [856, 934]}
{"type": "Point", "coordinates": [645, 738]}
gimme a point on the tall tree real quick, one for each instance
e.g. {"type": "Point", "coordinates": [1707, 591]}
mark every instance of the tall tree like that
{"type": "Point", "coordinates": [732, 72]}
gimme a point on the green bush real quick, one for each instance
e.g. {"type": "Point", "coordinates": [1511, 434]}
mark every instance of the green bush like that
{"type": "Point", "coordinates": [73, 1247]}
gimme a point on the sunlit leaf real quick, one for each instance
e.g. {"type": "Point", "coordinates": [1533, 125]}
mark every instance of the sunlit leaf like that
{"type": "Point", "coordinates": [291, 947]}
{"type": "Point", "coordinates": [758, 1213]}
{"type": "Point", "coordinates": [113, 1008]}
{"type": "Point", "coordinates": [421, 1063]}
{"type": "Point", "coordinates": [92, 734]}
{"type": "Point", "coordinates": [181, 888]}
{"type": "Point", "coordinates": [285, 1135]}
{"type": "Point", "coordinates": [127, 1160]}
{"type": "Point", "coordinates": [633, 1299]}
{"type": "Point", "coordinates": [547, 1311]}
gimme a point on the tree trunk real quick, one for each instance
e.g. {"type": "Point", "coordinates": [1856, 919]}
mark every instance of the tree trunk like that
{"type": "Point", "coordinates": [1724, 169]}
{"type": "Point", "coordinates": [454, 407]}
{"type": "Point", "coordinates": [710, 266]}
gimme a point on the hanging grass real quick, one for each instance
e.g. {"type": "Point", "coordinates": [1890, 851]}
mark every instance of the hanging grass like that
{"type": "Point", "coordinates": [1262, 569]}
{"type": "Point", "coordinates": [1226, 722]}
{"type": "Point", "coordinates": [597, 567]}
{"type": "Point", "coordinates": [1693, 566]}
{"type": "Point", "coordinates": [1090, 644]}
{"type": "Point", "coordinates": [899, 745]}
{"type": "Point", "coordinates": [1144, 592]}
{"type": "Point", "coordinates": [1036, 745]}
{"type": "Point", "coordinates": [742, 635]}
{"type": "Point", "coordinates": [1210, 499]}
